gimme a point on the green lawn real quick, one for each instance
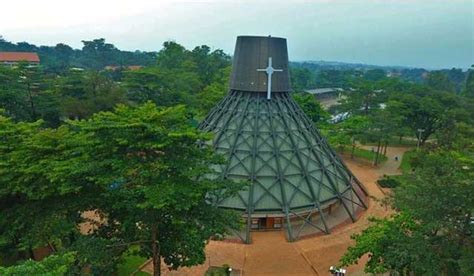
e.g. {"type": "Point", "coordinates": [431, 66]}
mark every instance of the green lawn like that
{"type": "Point", "coordinates": [131, 264]}
{"type": "Point", "coordinates": [365, 154]}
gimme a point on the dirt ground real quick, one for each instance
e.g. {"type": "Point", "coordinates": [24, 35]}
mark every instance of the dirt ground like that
{"type": "Point", "coordinates": [271, 254]}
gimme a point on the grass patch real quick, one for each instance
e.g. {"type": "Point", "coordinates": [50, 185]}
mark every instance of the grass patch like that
{"type": "Point", "coordinates": [405, 165]}
{"type": "Point", "coordinates": [131, 263]}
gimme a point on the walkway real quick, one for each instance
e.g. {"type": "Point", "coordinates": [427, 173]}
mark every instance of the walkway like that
{"type": "Point", "coordinates": [271, 254]}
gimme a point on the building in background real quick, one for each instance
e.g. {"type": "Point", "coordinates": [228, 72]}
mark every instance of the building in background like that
{"type": "Point", "coordinates": [14, 58]}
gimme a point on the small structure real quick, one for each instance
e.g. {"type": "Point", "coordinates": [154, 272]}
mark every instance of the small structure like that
{"type": "Point", "coordinates": [327, 92]}
{"type": "Point", "coordinates": [12, 59]}
{"type": "Point", "coordinates": [297, 182]}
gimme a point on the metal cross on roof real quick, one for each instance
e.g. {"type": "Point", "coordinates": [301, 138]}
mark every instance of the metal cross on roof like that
{"type": "Point", "coordinates": [269, 70]}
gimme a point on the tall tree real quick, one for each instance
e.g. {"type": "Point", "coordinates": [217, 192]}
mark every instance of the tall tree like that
{"type": "Point", "coordinates": [302, 78]}
{"type": "Point", "coordinates": [362, 98]}
{"type": "Point", "coordinates": [311, 107]}
{"type": "Point", "coordinates": [98, 53]}
{"type": "Point", "coordinates": [424, 109]}
{"type": "Point", "coordinates": [158, 196]}
{"type": "Point", "coordinates": [142, 169]}
{"type": "Point", "coordinates": [84, 93]}
{"type": "Point", "coordinates": [214, 92]}
{"type": "Point", "coordinates": [469, 87]}
{"type": "Point", "coordinates": [25, 94]}
{"type": "Point", "coordinates": [439, 80]}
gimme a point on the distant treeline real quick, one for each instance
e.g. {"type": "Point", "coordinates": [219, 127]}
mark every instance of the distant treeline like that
{"type": "Point", "coordinates": [95, 54]}
{"type": "Point", "coordinates": [174, 75]}
{"type": "Point", "coordinates": [335, 74]}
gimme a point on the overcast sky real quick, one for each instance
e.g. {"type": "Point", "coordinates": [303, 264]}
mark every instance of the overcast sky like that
{"type": "Point", "coordinates": [421, 33]}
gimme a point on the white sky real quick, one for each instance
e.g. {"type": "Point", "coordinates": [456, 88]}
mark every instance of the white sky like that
{"type": "Point", "coordinates": [426, 33]}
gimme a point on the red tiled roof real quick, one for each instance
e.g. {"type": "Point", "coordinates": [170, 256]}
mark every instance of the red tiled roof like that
{"type": "Point", "coordinates": [19, 56]}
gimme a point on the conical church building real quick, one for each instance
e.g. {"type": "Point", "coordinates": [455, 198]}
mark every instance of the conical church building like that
{"type": "Point", "coordinates": [296, 181]}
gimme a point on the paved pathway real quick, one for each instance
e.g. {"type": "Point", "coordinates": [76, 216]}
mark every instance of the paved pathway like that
{"type": "Point", "coordinates": [271, 254]}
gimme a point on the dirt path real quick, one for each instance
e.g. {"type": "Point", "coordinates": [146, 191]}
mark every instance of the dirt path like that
{"type": "Point", "coordinates": [390, 166]}
{"type": "Point", "coordinates": [271, 254]}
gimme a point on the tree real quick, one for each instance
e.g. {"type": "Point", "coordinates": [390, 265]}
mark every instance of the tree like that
{"type": "Point", "coordinates": [178, 76]}
{"type": "Point", "coordinates": [162, 86]}
{"type": "Point", "coordinates": [25, 94]}
{"type": "Point", "coordinates": [302, 78]}
{"type": "Point", "coordinates": [214, 92]}
{"type": "Point", "coordinates": [209, 64]}
{"type": "Point", "coordinates": [348, 132]}
{"type": "Point", "coordinates": [98, 54]}
{"type": "Point", "coordinates": [424, 108]}
{"type": "Point", "coordinates": [311, 107]}
{"type": "Point", "coordinates": [142, 169]}
{"type": "Point", "coordinates": [150, 162]}
{"type": "Point", "coordinates": [393, 244]}
{"type": "Point", "coordinates": [438, 80]}
{"type": "Point", "coordinates": [84, 93]}
{"type": "Point", "coordinates": [432, 232]}
{"type": "Point", "coordinates": [375, 75]}
{"type": "Point", "coordinates": [362, 98]}
{"type": "Point", "coordinates": [173, 56]}
{"type": "Point", "coordinates": [335, 78]}
{"type": "Point", "coordinates": [469, 87]}
{"type": "Point", "coordinates": [38, 206]}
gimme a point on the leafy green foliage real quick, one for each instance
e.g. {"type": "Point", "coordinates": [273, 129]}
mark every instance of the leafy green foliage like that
{"type": "Point", "coordinates": [25, 94]}
{"type": "Point", "coordinates": [394, 244]}
{"type": "Point", "coordinates": [153, 169]}
{"type": "Point", "coordinates": [214, 92]}
{"type": "Point", "coordinates": [374, 75]}
{"type": "Point", "coordinates": [422, 108]}
{"type": "Point", "coordinates": [142, 169]}
{"type": "Point", "coordinates": [53, 265]}
{"type": "Point", "coordinates": [311, 107]}
{"type": "Point", "coordinates": [363, 97]}
{"type": "Point", "coordinates": [438, 80]}
{"type": "Point", "coordinates": [432, 231]}
{"type": "Point", "coordinates": [197, 78]}
{"type": "Point", "coordinates": [388, 182]}
{"type": "Point", "coordinates": [85, 93]}
{"type": "Point", "coordinates": [302, 78]}
{"type": "Point", "coordinates": [469, 88]}
{"type": "Point", "coordinates": [130, 262]}
{"type": "Point", "coordinates": [347, 132]}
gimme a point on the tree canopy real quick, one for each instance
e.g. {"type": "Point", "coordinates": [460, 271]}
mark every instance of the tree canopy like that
{"type": "Point", "coordinates": [432, 229]}
{"type": "Point", "coordinates": [142, 169]}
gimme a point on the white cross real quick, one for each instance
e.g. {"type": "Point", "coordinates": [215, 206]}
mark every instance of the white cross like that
{"type": "Point", "coordinates": [269, 70]}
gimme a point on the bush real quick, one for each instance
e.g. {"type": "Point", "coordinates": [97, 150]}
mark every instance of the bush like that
{"type": "Point", "coordinates": [388, 182]}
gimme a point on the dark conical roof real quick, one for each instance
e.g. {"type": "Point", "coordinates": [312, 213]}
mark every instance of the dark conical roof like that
{"type": "Point", "coordinates": [273, 145]}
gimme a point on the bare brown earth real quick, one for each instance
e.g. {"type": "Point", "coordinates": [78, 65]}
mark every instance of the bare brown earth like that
{"type": "Point", "coordinates": [271, 254]}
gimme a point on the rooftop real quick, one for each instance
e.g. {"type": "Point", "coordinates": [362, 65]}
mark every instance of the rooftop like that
{"type": "Point", "coordinates": [19, 56]}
